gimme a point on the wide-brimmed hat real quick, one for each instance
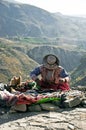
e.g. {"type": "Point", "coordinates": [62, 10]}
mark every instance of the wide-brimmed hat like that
{"type": "Point", "coordinates": [51, 61]}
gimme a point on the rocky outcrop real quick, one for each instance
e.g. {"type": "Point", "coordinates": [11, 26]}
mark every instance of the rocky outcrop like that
{"type": "Point", "coordinates": [52, 117]}
{"type": "Point", "coordinates": [63, 119]}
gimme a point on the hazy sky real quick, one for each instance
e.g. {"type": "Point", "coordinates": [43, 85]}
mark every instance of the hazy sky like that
{"type": "Point", "coordinates": [69, 7]}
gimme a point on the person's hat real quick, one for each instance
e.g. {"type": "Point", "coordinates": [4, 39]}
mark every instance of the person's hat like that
{"type": "Point", "coordinates": [50, 61]}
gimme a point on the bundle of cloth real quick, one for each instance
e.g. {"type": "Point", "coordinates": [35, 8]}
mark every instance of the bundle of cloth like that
{"type": "Point", "coordinates": [27, 93]}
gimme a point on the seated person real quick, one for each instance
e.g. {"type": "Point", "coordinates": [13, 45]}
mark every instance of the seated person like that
{"type": "Point", "coordinates": [53, 76]}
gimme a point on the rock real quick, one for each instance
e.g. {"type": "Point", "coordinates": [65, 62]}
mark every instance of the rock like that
{"type": "Point", "coordinates": [49, 107]}
{"type": "Point", "coordinates": [20, 107]}
{"type": "Point", "coordinates": [34, 108]}
{"type": "Point", "coordinates": [81, 88]}
{"type": "Point", "coordinates": [67, 119]}
{"type": "Point", "coordinates": [56, 102]}
{"type": "Point", "coordinates": [72, 102]}
{"type": "Point", "coordinates": [71, 127]}
{"type": "Point", "coordinates": [83, 103]}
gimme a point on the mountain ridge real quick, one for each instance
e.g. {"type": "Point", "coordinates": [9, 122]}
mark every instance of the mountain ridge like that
{"type": "Point", "coordinates": [29, 21]}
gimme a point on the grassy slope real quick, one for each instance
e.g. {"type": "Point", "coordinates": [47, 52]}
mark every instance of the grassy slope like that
{"type": "Point", "coordinates": [13, 62]}
{"type": "Point", "coordinates": [78, 75]}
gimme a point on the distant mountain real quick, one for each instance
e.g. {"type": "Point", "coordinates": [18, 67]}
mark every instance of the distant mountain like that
{"type": "Point", "coordinates": [78, 75]}
{"type": "Point", "coordinates": [29, 21]}
{"type": "Point", "coordinates": [25, 20]}
{"type": "Point", "coordinates": [65, 55]}
{"type": "Point", "coordinates": [12, 1]}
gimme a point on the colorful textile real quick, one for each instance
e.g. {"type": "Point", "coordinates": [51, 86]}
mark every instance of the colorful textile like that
{"type": "Point", "coordinates": [50, 79]}
{"type": "Point", "coordinates": [29, 99]}
{"type": "Point", "coordinates": [7, 98]}
{"type": "Point", "coordinates": [34, 98]}
{"type": "Point", "coordinates": [61, 86]}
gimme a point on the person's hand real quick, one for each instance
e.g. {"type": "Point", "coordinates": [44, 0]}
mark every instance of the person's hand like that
{"type": "Point", "coordinates": [62, 80]}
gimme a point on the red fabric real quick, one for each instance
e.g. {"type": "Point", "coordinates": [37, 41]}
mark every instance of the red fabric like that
{"type": "Point", "coordinates": [62, 86]}
{"type": "Point", "coordinates": [28, 99]}
{"type": "Point", "coordinates": [23, 99]}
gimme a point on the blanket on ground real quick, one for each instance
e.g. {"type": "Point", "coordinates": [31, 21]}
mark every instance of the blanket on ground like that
{"type": "Point", "coordinates": [29, 97]}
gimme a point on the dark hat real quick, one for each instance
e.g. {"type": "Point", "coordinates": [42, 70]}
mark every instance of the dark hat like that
{"type": "Point", "coordinates": [50, 61]}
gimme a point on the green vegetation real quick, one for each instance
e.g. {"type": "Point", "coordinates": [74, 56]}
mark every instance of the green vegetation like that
{"type": "Point", "coordinates": [13, 62]}
{"type": "Point", "coordinates": [36, 40]}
